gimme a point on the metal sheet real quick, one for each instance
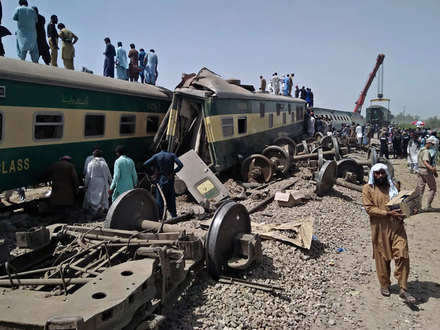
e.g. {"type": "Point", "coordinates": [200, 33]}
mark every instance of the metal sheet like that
{"type": "Point", "coordinates": [200, 180]}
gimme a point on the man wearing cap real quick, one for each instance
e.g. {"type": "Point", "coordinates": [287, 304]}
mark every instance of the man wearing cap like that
{"type": "Point", "coordinates": [64, 182]}
{"type": "Point", "coordinates": [387, 231]}
{"type": "Point", "coordinates": [427, 172]}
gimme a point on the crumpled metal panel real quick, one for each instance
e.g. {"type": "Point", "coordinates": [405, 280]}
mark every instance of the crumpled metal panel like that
{"type": "Point", "coordinates": [200, 180]}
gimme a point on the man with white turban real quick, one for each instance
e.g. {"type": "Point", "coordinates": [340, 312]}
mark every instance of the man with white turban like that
{"type": "Point", "coordinates": [387, 231]}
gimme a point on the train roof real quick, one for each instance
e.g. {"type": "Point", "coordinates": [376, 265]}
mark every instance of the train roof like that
{"type": "Point", "coordinates": [314, 109]}
{"type": "Point", "coordinates": [207, 83]}
{"type": "Point", "coordinates": [48, 75]}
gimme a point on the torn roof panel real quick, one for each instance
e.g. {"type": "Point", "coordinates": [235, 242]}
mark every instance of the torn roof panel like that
{"type": "Point", "coordinates": [208, 80]}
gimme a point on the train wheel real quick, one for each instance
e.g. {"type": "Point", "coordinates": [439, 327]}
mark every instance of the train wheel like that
{"type": "Point", "coordinates": [286, 142]}
{"type": "Point", "coordinates": [326, 143]}
{"type": "Point", "coordinates": [256, 168]}
{"type": "Point", "coordinates": [319, 136]}
{"type": "Point", "coordinates": [279, 158]}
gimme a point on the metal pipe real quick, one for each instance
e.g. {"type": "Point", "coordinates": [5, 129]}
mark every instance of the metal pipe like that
{"type": "Point", "coordinates": [43, 281]}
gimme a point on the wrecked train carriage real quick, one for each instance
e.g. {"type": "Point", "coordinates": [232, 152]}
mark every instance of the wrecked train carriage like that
{"type": "Point", "coordinates": [225, 122]}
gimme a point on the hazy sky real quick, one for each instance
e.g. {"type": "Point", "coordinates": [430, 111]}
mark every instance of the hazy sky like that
{"type": "Point", "coordinates": [331, 46]}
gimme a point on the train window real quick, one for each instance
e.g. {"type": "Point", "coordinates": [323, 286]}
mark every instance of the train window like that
{"type": "Point", "coordinates": [299, 113]}
{"type": "Point", "coordinates": [284, 118]}
{"type": "Point", "coordinates": [242, 125]}
{"type": "Point", "coordinates": [228, 126]}
{"type": "Point", "coordinates": [292, 116]}
{"type": "Point", "coordinates": [152, 124]}
{"type": "Point", "coordinates": [289, 109]}
{"type": "Point", "coordinates": [279, 106]}
{"type": "Point", "coordinates": [2, 91]}
{"type": "Point", "coordinates": [270, 120]}
{"type": "Point", "coordinates": [127, 125]}
{"type": "Point", "coordinates": [262, 110]}
{"type": "Point", "coordinates": [48, 126]}
{"type": "Point", "coordinates": [1, 126]}
{"type": "Point", "coordinates": [94, 125]}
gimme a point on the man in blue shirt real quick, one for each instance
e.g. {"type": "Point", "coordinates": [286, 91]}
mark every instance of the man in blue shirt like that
{"type": "Point", "coordinates": [163, 163]}
{"type": "Point", "coordinates": [124, 174]}
{"type": "Point", "coordinates": [27, 31]}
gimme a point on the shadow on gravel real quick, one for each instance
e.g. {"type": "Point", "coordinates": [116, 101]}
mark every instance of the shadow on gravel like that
{"type": "Point", "coordinates": [424, 290]}
{"type": "Point", "coordinates": [317, 249]}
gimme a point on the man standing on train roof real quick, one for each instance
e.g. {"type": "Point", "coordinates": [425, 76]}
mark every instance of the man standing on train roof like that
{"type": "Point", "coordinates": [67, 51]}
{"type": "Point", "coordinates": [297, 91]}
{"type": "Point", "coordinates": [427, 172]}
{"type": "Point", "coordinates": [65, 183]}
{"type": "Point", "coordinates": [286, 85]}
{"type": "Point", "coordinates": [142, 55]}
{"type": "Point", "coordinates": [3, 32]}
{"type": "Point", "coordinates": [97, 181]}
{"type": "Point", "coordinates": [43, 47]}
{"type": "Point", "coordinates": [52, 35]}
{"type": "Point", "coordinates": [124, 174]}
{"type": "Point", "coordinates": [387, 231]}
{"type": "Point", "coordinates": [290, 83]}
{"type": "Point", "coordinates": [311, 98]}
{"type": "Point", "coordinates": [121, 63]}
{"type": "Point", "coordinates": [151, 67]}
{"type": "Point", "coordinates": [109, 61]}
{"type": "Point", "coordinates": [275, 84]}
{"type": "Point", "coordinates": [27, 32]}
{"type": "Point", "coordinates": [302, 93]}
{"type": "Point", "coordinates": [308, 97]}
{"type": "Point", "coordinates": [262, 84]}
{"type": "Point", "coordinates": [133, 68]}
{"type": "Point", "coordinates": [163, 162]}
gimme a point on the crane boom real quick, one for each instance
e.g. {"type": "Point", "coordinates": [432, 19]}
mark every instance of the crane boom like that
{"type": "Point", "coordinates": [361, 98]}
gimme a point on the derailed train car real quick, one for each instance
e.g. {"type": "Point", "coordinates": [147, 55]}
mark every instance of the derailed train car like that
{"type": "Point", "coordinates": [225, 122]}
{"type": "Point", "coordinates": [48, 112]}
{"type": "Point", "coordinates": [339, 117]}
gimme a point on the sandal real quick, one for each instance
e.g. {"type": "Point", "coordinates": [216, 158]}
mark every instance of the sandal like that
{"type": "Point", "coordinates": [385, 292]}
{"type": "Point", "coordinates": [407, 297]}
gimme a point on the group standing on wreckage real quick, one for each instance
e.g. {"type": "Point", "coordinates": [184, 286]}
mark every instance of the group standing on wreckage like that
{"type": "Point", "coordinates": [61, 112]}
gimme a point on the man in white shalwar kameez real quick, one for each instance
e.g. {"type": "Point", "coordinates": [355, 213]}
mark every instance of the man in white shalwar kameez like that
{"type": "Point", "coordinates": [97, 181]}
{"type": "Point", "coordinates": [275, 84]}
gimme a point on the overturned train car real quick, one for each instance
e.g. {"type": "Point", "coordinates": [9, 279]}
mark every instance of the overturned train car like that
{"type": "Point", "coordinates": [225, 122]}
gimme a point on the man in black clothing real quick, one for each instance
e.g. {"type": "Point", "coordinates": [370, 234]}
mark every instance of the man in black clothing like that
{"type": "Point", "coordinates": [43, 47]}
{"type": "Point", "coordinates": [52, 34]}
{"type": "Point", "coordinates": [302, 93]}
{"type": "Point", "coordinates": [404, 144]}
{"type": "Point", "coordinates": [296, 91]}
{"type": "Point", "coordinates": [384, 145]}
{"type": "Point", "coordinates": [397, 147]}
{"type": "Point", "coordinates": [3, 32]}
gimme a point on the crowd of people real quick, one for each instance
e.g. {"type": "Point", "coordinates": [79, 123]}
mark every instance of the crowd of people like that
{"type": "Point", "coordinates": [31, 38]}
{"type": "Point", "coordinates": [101, 186]}
{"type": "Point", "coordinates": [132, 66]}
{"type": "Point", "coordinates": [284, 86]}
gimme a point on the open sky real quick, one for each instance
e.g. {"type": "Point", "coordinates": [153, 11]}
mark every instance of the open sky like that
{"type": "Point", "coordinates": [331, 46]}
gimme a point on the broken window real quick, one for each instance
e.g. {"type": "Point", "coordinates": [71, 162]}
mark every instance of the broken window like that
{"type": "Point", "coordinates": [127, 125]}
{"type": "Point", "coordinates": [152, 124]}
{"type": "Point", "coordinates": [48, 126]}
{"type": "Point", "coordinates": [94, 125]}
{"type": "Point", "coordinates": [284, 118]}
{"type": "Point", "coordinates": [270, 120]}
{"type": "Point", "coordinates": [228, 126]}
{"type": "Point", "coordinates": [242, 125]}
{"type": "Point", "coordinates": [262, 110]}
